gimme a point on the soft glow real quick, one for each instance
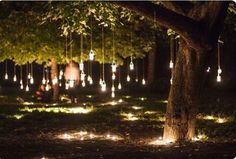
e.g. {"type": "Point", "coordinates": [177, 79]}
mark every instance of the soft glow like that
{"type": "Point", "coordinates": [21, 82]}
{"type": "Point", "coordinates": [14, 78]}
{"type": "Point", "coordinates": [119, 86]}
{"type": "Point", "coordinates": [29, 76]}
{"type": "Point", "coordinates": [171, 64]}
{"type": "Point", "coordinates": [128, 78]}
{"type": "Point", "coordinates": [136, 80]}
{"type": "Point", "coordinates": [6, 76]}
{"type": "Point", "coordinates": [137, 107]}
{"type": "Point", "coordinates": [83, 84]}
{"type": "Point", "coordinates": [82, 76]}
{"type": "Point", "coordinates": [113, 76]}
{"type": "Point", "coordinates": [48, 87]}
{"type": "Point", "coordinates": [100, 81]}
{"type": "Point", "coordinates": [143, 81]}
{"type": "Point", "coordinates": [91, 55]}
{"type": "Point", "coordinates": [43, 81]}
{"type": "Point", "coordinates": [21, 86]}
{"type": "Point", "coordinates": [89, 78]}
{"type": "Point", "coordinates": [160, 141]}
{"type": "Point", "coordinates": [103, 86]}
{"type": "Point", "coordinates": [219, 120]}
{"type": "Point", "coordinates": [113, 67]}
{"type": "Point", "coordinates": [67, 85]}
{"type": "Point", "coordinates": [60, 77]}
{"type": "Point", "coordinates": [61, 73]}
{"type": "Point", "coordinates": [112, 88]}
{"type": "Point", "coordinates": [91, 81]}
{"type": "Point", "coordinates": [171, 81]}
{"type": "Point", "coordinates": [81, 66]}
{"type": "Point", "coordinates": [31, 80]}
{"type": "Point", "coordinates": [131, 66]}
{"type": "Point", "coordinates": [71, 83]}
{"type": "Point", "coordinates": [60, 84]}
{"type": "Point", "coordinates": [219, 71]}
{"type": "Point", "coordinates": [27, 88]}
{"type": "Point", "coordinates": [199, 137]}
{"type": "Point", "coordinates": [113, 94]}
{"type": "Point", "coordinates": [129, 116]}
{"type": "Point", "coordinates": [208, 69]}
{"type": "Point", "coordinates": [218, 78]}
{"type": "Point", "coordinates": [55, 81]}
{"type": "Point", "coordinates": [142, 98]}
{"type": "Point", "coordinates": [120, 100]}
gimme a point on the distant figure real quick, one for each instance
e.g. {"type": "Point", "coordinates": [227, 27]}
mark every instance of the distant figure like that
{"type": "Point", "coordinates": [39, 94]}
{"type": "Point", "coordinates": [72, 77]}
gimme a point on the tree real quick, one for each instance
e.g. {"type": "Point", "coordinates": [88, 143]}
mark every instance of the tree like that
{"type": "Point", "coordinates": [199, 25]}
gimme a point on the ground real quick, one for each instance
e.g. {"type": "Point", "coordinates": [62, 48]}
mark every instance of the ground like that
{"type": "Point", "coordinates": [100, 127]}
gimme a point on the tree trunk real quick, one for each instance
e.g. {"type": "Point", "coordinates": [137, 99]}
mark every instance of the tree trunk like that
{"type": "Point", "coordinates": [184, 94]}
{"type": "Point", "coordinates": [151, 67]}
{"type": "Point", "coordinates": [54, 77]}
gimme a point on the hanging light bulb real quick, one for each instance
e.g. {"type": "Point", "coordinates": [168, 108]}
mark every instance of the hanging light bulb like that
{"type": "Point", "coordinates": [60, 77]}
{"type": "Point", "coordinates": [21, 82]}
{"type": "Point", "coordinates": [113, 76]}
{"type": "Point", "coordinates": [61, 72]}
{"type": "Point", "coordinates": [171, 64]}
{"type": "Point", "coordinates": [119, 86]}
{"type": "Point", "coordinates": [131, 65]}
{"type": "Point", "coordinates": [14, 78]}
{"type": "Point", "coordinates": [128, 78]}
{"type": "Point", "coordinates": [67, 85]}
{"type": "Point", "coordinates": [103, 86]}
{"type": "Point", "coordinates": [91, 81]}
{"type": "Point", "coordinates": [60, 84]}
{"type": "Point", "coordinates": [113, 67]}
{"type": "Point", "coordinates": [113, 94]}
{"type": "Point", "coordinates": [91, 55]}
{"type": "Point", "coordinates": [71, 83]}
{"type": "Point", "coordinates": [47, 88]}
{"type": "Point", "coordinates": [171, 80]}
{"type": "Point", "coordinates": [89, 78]}
{"type": "Point", "coordinates": [82, 76]}
{"type": "Point", "coordinates": [143, 81]}
{"type": "Point", "coordinates": [112, 88]}
{"type": "Point", "coordinates": [81, 66]}
{"type": "Point", "coordinates": [31, 80]}
{"type": "Point", "coordinates": [218, 78]}
{"type": "Point", "coordinates": [43, 80]}
{"type": "Point", "coordinates": [6, 76]}
{"type": "Point", "coordinates": [21, 86]}
{"type": "Point", "coordinates": [83, 84]}
{"type": "Point", "coordinates": [219, 70]}
{"type": "Point", "coordinates": [27, 88]}
{"type": "Point", "coordinates": [208, 69]}
{"type": "Point", "coordinates": [100, 81]}
{"type": "Point", "coordinates": [29, 76]}
{"type": "Point", "coordinates": [136, 80]}
{"type": "Point", "coordinates": [55, 81]}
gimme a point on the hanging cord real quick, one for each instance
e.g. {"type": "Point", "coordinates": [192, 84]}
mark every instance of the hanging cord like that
{"type": "Point", "coordinates": [32, 69]}
{"type": "Point", "coordinates": [21, 72]}
{"type": "Point", "coordinates": [218, 53]}
{"type": "Point", "coordinates": [143, 69]}
{"type": "Point", "coordinates": [113, 46]}
{"type": "Point", "coordinates": [119, 74]}
{"type": "Point", "coordinates": [43, 72]}
{"type": "Point", "coordinates": [66, 47]}
{"type": "Point", "coordinates": [131, 43]}
{"type": "Point", "coordinates": [14, 69]}
{"type": "Point", "coordinates": [27, 69]}
{"type": "Point", "coordinates": [136, 62]}
{"type": "Point", "coordinates": [91, 34]}
{"type": "Point", "coordinates": [103, 54]}
{"type": "Point", "coordinates": [172, 48]}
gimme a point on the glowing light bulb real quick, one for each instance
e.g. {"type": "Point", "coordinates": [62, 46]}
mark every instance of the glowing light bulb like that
{"type": "Point", "coordinates": [47, 87]}
{"type": "Point", "coordinates": [61, 73]}
{"type": "Point", "coordinates": [89, 78]}
{"type": "Point", "coordinates": [82, 76]}
{"type": "Point", "coordinates": [113, 76]}
{"type": "Point", "coordinates": [113, 67]}
{"type": "Point", "coordinates": [131, 66]}
{"type": "Point", "coordinates": [55, 81]}
{"type": "Point", "coordinates": [29, 76]}
{"type": "Point", "coordinates": [208, 69]}
{"type": "Point", "coordinates": [71, 83]}
{"type": "Point", "coordinates": [113, 88]}
{"type": "Point", "coordinates": [21, 86]}
{"type": "Point", "coordinates": [21, 82]}
{"type": "Point", "coordinates": [128, 78]}
{"type": "Point", "coordinates": [103, 86]}
{"type": "Point", "coordinates": [113, 94]}
{"type": "Point", "coordinates": [119, 86]}
{"type": "Point", "coordinates": [171, 64]}
{"type": "Point", "coordinates": [91, 81]}
{"type": "Point", "coordinates": [67, 85]}
{"type": "Point", "coordinates": [6, 76]}
{"type": "Point", "coordinates": [60, 84]}
{"type": "Point", "coordinates": [14, 78]}
{"type": "Point", "coordinates": [83, 84]}
{"type": "Point", "coordinates": [136, 80]}
{"type": "Point", "coordinates": [81, 66]}
{"type": "Point", "coordinates": [171, 81]}
{"type": "Point", "coordinates": [100, 81]}
{"type": "Point", "coordinates": [27, 88]}
{"type": "Point", "coordinates": [60, 77]}
{"type": "Point", "coordinates": [91, 55]}
{"type": "Point", "coordinates": [31, 80]}
{"type": "Point", "coordinates": [143, 81]}
{"type": "Point", "coordinates": [43, 81]}
{"type": "Point", "coordinates": [218, 78]}
{"type": "Point", "coordinates": [219, 71]}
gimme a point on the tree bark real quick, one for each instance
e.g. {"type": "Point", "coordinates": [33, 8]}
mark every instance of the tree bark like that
{"type": "Point", "coordinates": [184, 94]}
{"type": "Point", "coordinates": [54, 77]}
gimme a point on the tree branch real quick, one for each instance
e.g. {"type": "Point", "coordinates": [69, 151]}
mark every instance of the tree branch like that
{"type": "Point", "coordinates": [179, 7]}
{"type": "Point", "coordinates": [189, 29]}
